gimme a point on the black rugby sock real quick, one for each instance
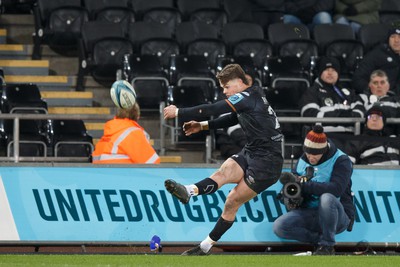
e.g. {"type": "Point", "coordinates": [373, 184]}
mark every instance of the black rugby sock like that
{"type": "Point", "coordinates": [220, 228]}
{"type": "Point", "coordinates": [207, 186]}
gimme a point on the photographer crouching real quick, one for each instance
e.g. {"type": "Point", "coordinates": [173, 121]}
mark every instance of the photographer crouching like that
{"type": "Point", "coordinates": [318, 195]}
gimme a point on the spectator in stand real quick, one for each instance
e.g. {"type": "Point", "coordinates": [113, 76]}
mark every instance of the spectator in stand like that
{"type": "Point", "coordinates": [385, 57]}
{"type": "Point", "coordinates": [308, 12]}
{"type": "Point", "coordinates": [379, 92]}
{"type": "Point", "coordinates": [376, 146]}
{"type": "Point", "coordinates": [357, 12]}
{"type": "Point", "coordinates": [125, 141]}
{"type": "Point", "coordinates": [326, 99]}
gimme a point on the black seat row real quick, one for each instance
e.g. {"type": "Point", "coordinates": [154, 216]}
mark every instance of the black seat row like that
{"type": "Point", "coordinates": [101, 51]}
{"type": "Point", "coordinates": [288, 58]}
{"type": "Point", "coordinates": [46, 138]}
{"type": "Point", "coordinates": [59, 138]}
{"type": "Point", "coordinates": [58, 22]}
{"type": "Point", "coordinates": [159, 32]}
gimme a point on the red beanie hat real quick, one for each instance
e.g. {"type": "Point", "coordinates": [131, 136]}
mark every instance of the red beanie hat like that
{"type": "Point", "coordinates": [316, 141]}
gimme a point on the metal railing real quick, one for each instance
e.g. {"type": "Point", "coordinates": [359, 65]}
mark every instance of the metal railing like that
{"type": "Point", "coordinates": [357, 122]}
{"type": "Point", "coordinates": [16, 117]}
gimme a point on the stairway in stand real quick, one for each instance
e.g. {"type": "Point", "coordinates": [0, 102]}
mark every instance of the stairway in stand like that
{"type": "Point", "coordinates": [56, 77]}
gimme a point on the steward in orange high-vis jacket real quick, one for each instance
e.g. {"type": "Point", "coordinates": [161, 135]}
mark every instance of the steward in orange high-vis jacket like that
{"type": "Point", "coordinates": [125, 141]}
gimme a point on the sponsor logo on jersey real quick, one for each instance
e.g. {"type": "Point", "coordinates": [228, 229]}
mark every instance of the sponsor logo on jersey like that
{"type": "Point", "coordinates": [235, 98]}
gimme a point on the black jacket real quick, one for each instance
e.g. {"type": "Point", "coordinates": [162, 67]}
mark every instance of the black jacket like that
{"type": "Point", "coordinates": [321, 100]}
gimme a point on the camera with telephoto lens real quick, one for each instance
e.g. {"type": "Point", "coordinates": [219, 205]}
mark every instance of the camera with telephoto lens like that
{"type": "Point", "coordinates": [291, 193]}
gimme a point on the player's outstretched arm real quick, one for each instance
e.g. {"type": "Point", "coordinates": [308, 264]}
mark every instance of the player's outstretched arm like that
{"type": "Point", "coordinates": [203, 110]}
{"type": "Point", "coordinates": [170, 112]}
{"type": "Point", "coordinates": [192, 127]}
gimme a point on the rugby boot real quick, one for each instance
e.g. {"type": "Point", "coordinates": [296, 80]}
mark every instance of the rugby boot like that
{"type": "Point", "coordinates": [196, 251]}
{"type": "Point", "coordinates": [178, 190]}
{"type": "Point", "coordinates": [324, 250]}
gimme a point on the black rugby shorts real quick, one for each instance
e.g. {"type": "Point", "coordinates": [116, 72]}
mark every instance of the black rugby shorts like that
{"type": "Point", "coordinates": [260, 172]}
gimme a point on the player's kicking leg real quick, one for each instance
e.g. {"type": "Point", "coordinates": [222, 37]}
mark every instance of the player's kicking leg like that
{"type": "Point", "coordinates": [178, 190]}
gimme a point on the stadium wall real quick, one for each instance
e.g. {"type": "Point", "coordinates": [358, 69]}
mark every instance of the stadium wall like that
{"type": "Point", "coordinates": [90, 203]}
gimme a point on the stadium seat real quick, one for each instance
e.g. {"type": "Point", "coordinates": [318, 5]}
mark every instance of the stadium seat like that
{"type": "Point", "coordinates": [142, 6]}
{"type": "Point", "coordinates": [1, 77]}
{"type": "Point", "coordinates": [370, 35]}
{"type": "Point", "coordinates": [287, 80]}
{"type": "Point", "coordinates": [211, 49]}
{"type": "Point", "coordinates": [94, 7]}
{"type": "Point", "coordinates": [151, 38]}
{"type": "Point", "coordinates": [325, 34]}
{"type": "Point", "coordinates": [22, 98]}
{"type": "Point", "coordinates": [101, 52]}
{"type": "Point", "coordinates": [338, 40]}
{"type": "Point", "coordinates": [115, 11]}
{"type": "Point", "coordinates": [215, 17]}
{"type": "Point", "coordinates": [70, 139]}
{"type": "Point", "coordinates": [141, 31]}
{"type": "Point", "coordinates": [33, 140]}
{"type": "Point", "coordinates": [191, 70]}
{"type": "Point", "coordinates": [209, 12]}
{"type": "Point", "coordinates": [192, 83]}
{"type": "Point", "coordinates": [188, 7]}
{"type": "Point", "coordinates": [186, 96]}
{"type": "Point", "coordinates": [16, 6]}
{"type": "Point", "coordinates": [148, 77]}
{"type": "Point", "coordinates": [189, 31]}
{"type": "Point", "coordinates": [169, 16]}
{"type": "Point", "coordinates": [235, 32]}
{"type": "Point", "coordinates": [256, 49]}
{"type": "Point", "coordinates": [389, 11]}
{"type": "Point", "coordinates": [199, 38]}
{"type": "Point", "coordinates": [293, 40]}
{"type": "Point", "coordinates": [58, 23]}
{"type": "Point", "coordinates": [245, 39]}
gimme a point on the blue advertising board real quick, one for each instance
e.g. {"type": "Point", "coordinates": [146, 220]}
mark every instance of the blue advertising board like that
{"type": "Point", "coordinates": [131, 204]}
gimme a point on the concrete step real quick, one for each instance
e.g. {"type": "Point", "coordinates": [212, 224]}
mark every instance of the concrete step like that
{"type": "Point", "coordinates": [15, 51]}
{"type": "Point", "coordinates": [19, 28]}
{"type": "Point", "coordinates": [52, 80]}
{"type": "Point", "coordinates": [95, 129]}
{"type": "Point", "coordinates": [80, 110]}
{"type": "Point", "coordinates": [101, 95]}
{"type": "Point", "coordinates": [3, 36]}
{"type": "Point", "coordinates": [56, 82]}
{"type": "Point", "coordinates": [25, 67]}
{"type": "Point", "coordinates": [68, 98]}
{"type": "Point", "coordinates": [45, 83]}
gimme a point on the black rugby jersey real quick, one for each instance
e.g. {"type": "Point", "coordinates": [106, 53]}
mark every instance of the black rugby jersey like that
{"type": "Point", "coordinates": [252, 111]}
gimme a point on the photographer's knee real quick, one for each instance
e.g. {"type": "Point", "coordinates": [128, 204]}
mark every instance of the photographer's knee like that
{"type": "Point", "coordinates": [276, 228]}
{"type": "Point", "coordinates": [326, 199]}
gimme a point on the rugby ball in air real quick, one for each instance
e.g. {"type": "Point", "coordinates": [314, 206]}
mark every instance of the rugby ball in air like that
{"type": "Point", "coordinates": [123, 94]}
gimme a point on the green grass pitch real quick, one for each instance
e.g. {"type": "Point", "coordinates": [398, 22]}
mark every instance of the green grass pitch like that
{"type": "Point", "coordinates": [161, 260]}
